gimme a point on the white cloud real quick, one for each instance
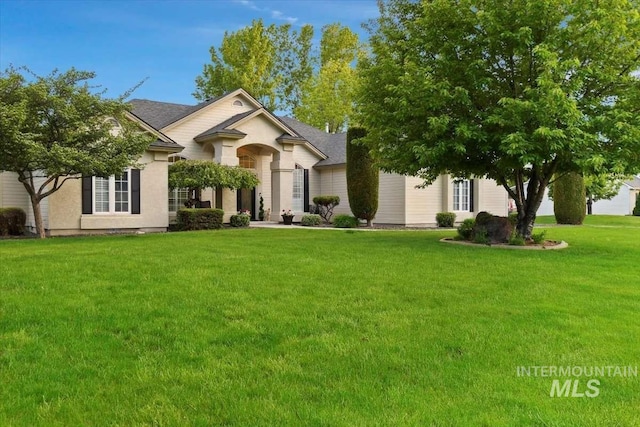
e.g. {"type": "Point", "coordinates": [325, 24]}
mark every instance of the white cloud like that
{"type": "Point", "coordinates": [275, 14]}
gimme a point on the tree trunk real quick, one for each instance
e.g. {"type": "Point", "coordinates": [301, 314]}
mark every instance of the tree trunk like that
{"type": "Point", "coordinates": [37, 215]}
{"type": "Point", "coordinates": [526, 221]}
{"type": "Point", "coordinates": [369, 223]}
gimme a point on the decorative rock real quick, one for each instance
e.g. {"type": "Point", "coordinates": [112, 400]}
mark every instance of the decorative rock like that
{"type": "Point", "coordinates": [498, 229]}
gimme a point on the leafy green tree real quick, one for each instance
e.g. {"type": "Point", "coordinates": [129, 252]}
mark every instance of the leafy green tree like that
{"type": "Point", "coordinates": [569, 203]}
{"type": "Point", "coordinates": [199, 174]}
{"type": "Point", "coordinates": [362, 177]}
{"type": "Point", "coordinates": [515, 92]}
{"type": "Point", "coordinates": [53, 129]}
{"type": "Point", "coordinates": [270, 62]}
{"type": "Point", "coordinates": [328, 97]}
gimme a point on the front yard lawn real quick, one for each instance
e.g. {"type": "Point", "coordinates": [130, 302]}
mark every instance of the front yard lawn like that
{"type": "Point", "coordinates": [307, 327]}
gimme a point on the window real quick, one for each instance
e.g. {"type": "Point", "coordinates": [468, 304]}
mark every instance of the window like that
{"type": "Point", "coordinates": [112, 195]}
{"type": "Point", "coordinates": [238, 103]}
{"type": "Point", "coordinates": [461, 195]}
{"type": "Point", "coordinates": [246, 161]}
{"type": "Point", "coordinates": [177, 197]}
{"type": "Point", "coordinates": [298, 190]}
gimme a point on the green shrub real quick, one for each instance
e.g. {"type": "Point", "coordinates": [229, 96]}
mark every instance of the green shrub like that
{"type": "Point", "coordinates": [513, 218]}
{"type": "Point", "coordinates": [636, 210]}
{"type": "Point", "coordinates": [310, 220]}
{"type": "Point", "coordinates": [538, 237]}
{"type": "Point", "coordinates": [465, 230]}
{"type": "Point", "coordinates": [569, 200]}
{"type": "Point", "coordinates": [240, 220]}
{"type": "Point", "coordinates": [199, 219]}
{"type": "Point", "coordinates": [345, 221]}
{"type": "Point", "coordinates": [12, 221]}
{"type": "Point", "coordinates": [516, 240]}
{"type": "Point", "coordinates": [481, 237]}
{"type": "Point", "coordinates": [445, 219]}
{"type": "Point", "coordinates": [325, 205]}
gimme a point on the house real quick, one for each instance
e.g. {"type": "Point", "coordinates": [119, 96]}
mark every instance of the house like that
{"type": "Point", "coordinates": [293, 161]}
{"type": "Point", "coordinates": [621, 204]}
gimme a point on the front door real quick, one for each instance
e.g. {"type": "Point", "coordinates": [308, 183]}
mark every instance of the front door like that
{"type": "Point", "coordinates": [247, 201]}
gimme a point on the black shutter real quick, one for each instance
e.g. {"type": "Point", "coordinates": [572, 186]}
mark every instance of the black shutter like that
{"type": "Point", "coordinates": [87, 195]}
{"type": "Point", "coordinates": [306, 190]}
{"type": "Point", "coordinates": [135, 191]}
{"type": "Point", "coordinates": [238, 200]}
{"type": "Point", "coordinates": [471, 194]}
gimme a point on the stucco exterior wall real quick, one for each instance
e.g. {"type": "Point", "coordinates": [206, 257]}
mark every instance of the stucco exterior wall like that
{"type": "Point", "coordinates": [65, 205]}
{"type": "Point", "coordinates": [183, 131]}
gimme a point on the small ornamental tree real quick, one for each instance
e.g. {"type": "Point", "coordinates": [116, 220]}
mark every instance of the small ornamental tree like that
{"type": "Point", "coordinates": [54, 128]}
{"type": "Point", "coordinates": [325, 205]}
{"type": "Point", "coordinates": [636, 210]}
{"type": "Point", "coordinates": [362, 177]}
{"type": "Point", "coordinates": [199, 174]}
{"type": "Point", "coordinates": [569, 202]}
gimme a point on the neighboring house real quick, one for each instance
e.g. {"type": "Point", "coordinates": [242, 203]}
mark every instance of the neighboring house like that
{"type": "Point", "coordinates": [621, 204]}
{"type": "Point", "coordinates": [293, 161]}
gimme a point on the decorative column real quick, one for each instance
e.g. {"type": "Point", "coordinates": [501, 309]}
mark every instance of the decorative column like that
{"type": "Point", "coordinates": [282, 181]}
{"type": "Point", "coordinates": [225, 154]}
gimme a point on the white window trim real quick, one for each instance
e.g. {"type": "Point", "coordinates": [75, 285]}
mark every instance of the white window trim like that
{"type": "Point", "coordinates": [458, 189]}
{"type": "Point", "coordinates": [297, 203]}
{"type": "Point", "coordinates": [112, 195]}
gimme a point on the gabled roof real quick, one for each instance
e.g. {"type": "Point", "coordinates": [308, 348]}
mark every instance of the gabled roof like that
{"type": "Point", "coordinates": [163, 143]}
{"type": "Point", "coordinates": [634, 183]}
{"type": "Point", "coordinates": [332, 145]}
{"type": "Point", "coordinates": [222, 127]}
{"type": "Point", "coordinates": [159, 114]}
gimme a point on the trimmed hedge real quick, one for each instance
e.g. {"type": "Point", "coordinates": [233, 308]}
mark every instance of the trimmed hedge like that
{"type": "Point", "coordinates": [199, 219]}
{"type": "Point", "coordinates": [310, 220]}
{"type": "Point", "coordinates": [12, 221]}
{"type": "Point", "coordinates": [345, 221]}
{"type": "Point", "coordinates": [569, 200]}
{"type": "Point", "coordinates": [240, 220]}
{"type": "Point", "coordinates": [445, 219]}
{"type": "Point", "coordinates": [636, 210]}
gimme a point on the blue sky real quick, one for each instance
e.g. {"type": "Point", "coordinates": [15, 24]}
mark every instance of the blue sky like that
{"type": "Point", "coordinates": [166, 41]}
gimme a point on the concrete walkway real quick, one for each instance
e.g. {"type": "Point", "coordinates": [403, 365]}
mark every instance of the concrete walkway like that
{"type": "Point", "coordinates": [273, 224]}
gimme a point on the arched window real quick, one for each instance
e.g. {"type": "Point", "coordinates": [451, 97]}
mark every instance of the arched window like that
{"type": "Point", "coordinates": [238, 103]}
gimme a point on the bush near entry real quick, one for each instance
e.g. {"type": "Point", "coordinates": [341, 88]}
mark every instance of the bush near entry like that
{"type": "Point", "coordinates": [199, 219]}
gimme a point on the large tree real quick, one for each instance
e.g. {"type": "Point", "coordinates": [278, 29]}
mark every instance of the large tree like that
{"type": "Point", "coordinates": [512, 91]}
{"type": "Point", "coordinates": [328, 96]}
{"type": "Point", "coordinates": [55, 128]}
{"type": "Point", "coordinates": [270, 62]}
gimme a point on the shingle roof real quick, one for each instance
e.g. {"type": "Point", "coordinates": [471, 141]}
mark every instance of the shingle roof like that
{"type": "Point", "coordinates": [332, 145]}
{"type": "Point", "coordinates": [161, 114]}
{"type": "Point", "coordinates": [634, 183]}
{"type": "Point", "coordinates": [167, 144]}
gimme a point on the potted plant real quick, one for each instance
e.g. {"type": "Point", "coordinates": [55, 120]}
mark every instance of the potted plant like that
{"type": "Point", "coordinates": [287, 217]}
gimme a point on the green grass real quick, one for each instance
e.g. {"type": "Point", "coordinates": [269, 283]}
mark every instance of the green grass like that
{"type": "Point", "coordinates": [315, 327]}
